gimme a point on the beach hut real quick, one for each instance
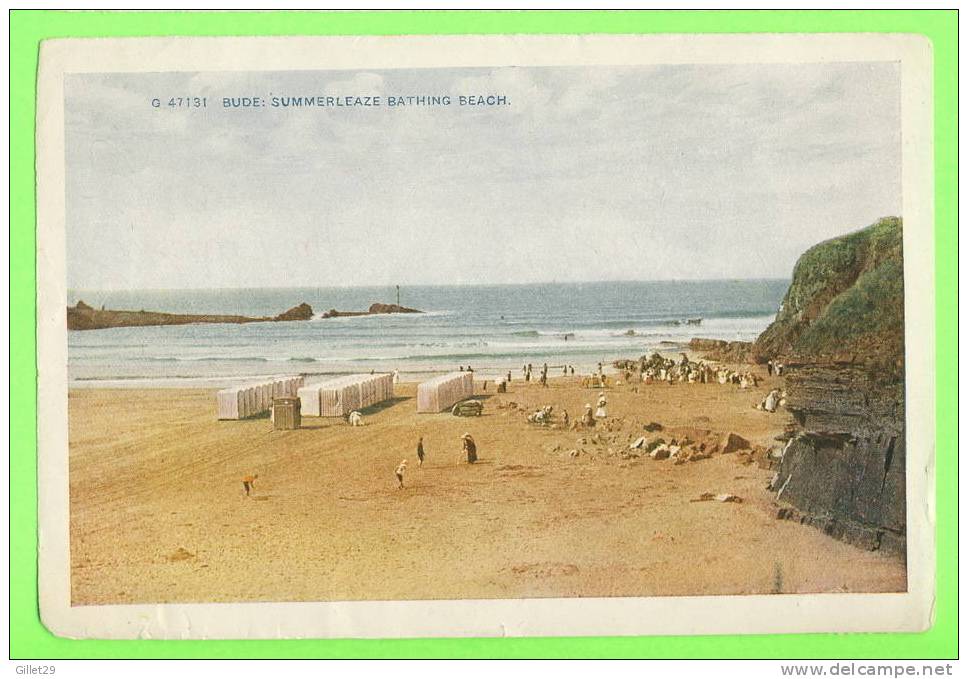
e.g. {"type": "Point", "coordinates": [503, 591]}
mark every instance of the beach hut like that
{"type": "Point", "coordinates": [230, 403]}
{"type": "Point", "coordinates": [386, 383]}
{"type": "Point", "coordinates": [285, 413]}
{"type": "Point", "coordinates": [249, 400]}
{"type": "Point", "coordinates": [309, 400]}
{"type": "Point", "coordinates": [375, 389]}
{"type": "Point", "coordinates": [441, 393]}
{"type": "Point", "coordinates": [339, 397]}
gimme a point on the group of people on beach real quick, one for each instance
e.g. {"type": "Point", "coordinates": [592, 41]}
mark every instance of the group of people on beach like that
{"type": "Point", "coordinates": [652, 369]}
{"type": "Point", "coordinates": [527, 369]}
{"type": "Point", "coordinates": [545, 415]}
{"type": "Point", "coordinates": [657, 369]}
{"type": "Point", "coordinates": [468, 449]}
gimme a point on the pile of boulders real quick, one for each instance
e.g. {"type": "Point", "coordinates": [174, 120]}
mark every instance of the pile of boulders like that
{"type": "Point", "coordinates": [689, 445]}
{"type": "Point", "coordinates": [620, 440]}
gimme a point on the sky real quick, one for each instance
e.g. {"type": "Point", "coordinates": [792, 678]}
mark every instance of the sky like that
{"type": "Point", "coordinates": [586, 174]}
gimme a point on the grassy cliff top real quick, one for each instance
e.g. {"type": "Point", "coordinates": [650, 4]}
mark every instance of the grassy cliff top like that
{"type": "Point", "coordinates": [846, 301]}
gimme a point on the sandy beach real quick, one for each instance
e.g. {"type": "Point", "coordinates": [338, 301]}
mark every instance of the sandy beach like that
{"type": "Point", "coordinates": [158, 513]}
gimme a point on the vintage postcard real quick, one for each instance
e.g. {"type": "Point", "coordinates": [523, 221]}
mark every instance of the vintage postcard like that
{"type": "Point", "coordinates": [464, 335]}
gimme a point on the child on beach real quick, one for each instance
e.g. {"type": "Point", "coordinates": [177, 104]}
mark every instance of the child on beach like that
{"type": "Point", "coordinates": [420, 452]}
{"type": "Point", "coordinates": [248, 482]}
{"type": "Point", "coordinates": [401, 468]}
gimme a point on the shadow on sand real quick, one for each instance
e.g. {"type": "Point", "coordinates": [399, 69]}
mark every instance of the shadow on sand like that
{"type": "Point", "coordinates": [383, 405]}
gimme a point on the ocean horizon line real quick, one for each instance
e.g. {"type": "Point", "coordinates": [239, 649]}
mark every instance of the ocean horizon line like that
{"type": "Point", "coordinates": [392, 286]}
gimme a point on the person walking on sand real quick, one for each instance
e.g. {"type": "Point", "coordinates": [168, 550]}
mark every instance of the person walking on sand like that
{"type": "Point", "coordinates": [509, 377]}
{"type": "Point", "coordinates": [470, 448]}
{"type": "Point", "coordinates": [420, 452]}
{"type": "Point", "coordinates": [401, 468]}
{"type": "Point", "coordinates": [248, 483]}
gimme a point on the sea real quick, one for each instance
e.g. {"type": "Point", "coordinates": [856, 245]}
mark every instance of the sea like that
{"type": "Point", "coordinates": [490, 328]}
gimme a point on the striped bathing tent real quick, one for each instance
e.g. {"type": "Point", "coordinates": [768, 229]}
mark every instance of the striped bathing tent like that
{"type": "Point", "coordinates": [441, 393]}
{"type": "Point", "coordinates": [340, 396]}
{"type": "Point", "coordinates": [255, 398]}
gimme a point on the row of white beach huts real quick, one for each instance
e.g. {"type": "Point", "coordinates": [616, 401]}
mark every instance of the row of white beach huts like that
{"type": "Point", "coordinates": [339, 396]}
{"type": "Point", "coordinates": [255, 398]}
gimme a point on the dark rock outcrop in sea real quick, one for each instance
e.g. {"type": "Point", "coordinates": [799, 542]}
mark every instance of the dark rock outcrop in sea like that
{"type": "Point", "coordinates": [84, 317]}
{"type": "Point", "coordinates": [375, 308]}
{"type": "Point", "coordinates": [840, 337]}
{"type": "Point", "coordinates": [302, 312]}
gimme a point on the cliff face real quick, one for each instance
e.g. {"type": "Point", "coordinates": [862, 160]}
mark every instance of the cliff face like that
{"type": "Point", "coordinates": [843, 470]}
{"type": "Point", "coordinates": [840, 336]}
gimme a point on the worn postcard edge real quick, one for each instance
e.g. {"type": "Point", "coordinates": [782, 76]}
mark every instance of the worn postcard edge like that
{"type": "Point", "coordinates": [892, 612]}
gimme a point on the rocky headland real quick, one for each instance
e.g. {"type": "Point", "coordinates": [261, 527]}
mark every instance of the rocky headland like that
{"type": "Point", "coordinates": [85, 317]}
{"type": "Point", "coordinates": [840, 336]}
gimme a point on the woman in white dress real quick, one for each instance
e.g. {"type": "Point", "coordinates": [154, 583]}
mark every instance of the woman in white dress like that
{"type": "Point", "coordinates": [600, 413]}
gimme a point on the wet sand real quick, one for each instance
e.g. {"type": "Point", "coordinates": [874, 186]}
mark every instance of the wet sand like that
{"type": "Point", "coordinates": [158, 513]}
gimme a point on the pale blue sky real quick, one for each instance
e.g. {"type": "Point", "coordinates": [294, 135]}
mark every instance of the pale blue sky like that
{"type": "Point", "coordinates": [598, 173]}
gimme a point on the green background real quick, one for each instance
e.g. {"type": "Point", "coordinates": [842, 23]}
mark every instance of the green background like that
{"type": "Point", "coordinates": [30, 640]}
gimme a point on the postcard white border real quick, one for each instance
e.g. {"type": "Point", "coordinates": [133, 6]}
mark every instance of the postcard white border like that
{"type": "Point", "coordinates": [910, 611]}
